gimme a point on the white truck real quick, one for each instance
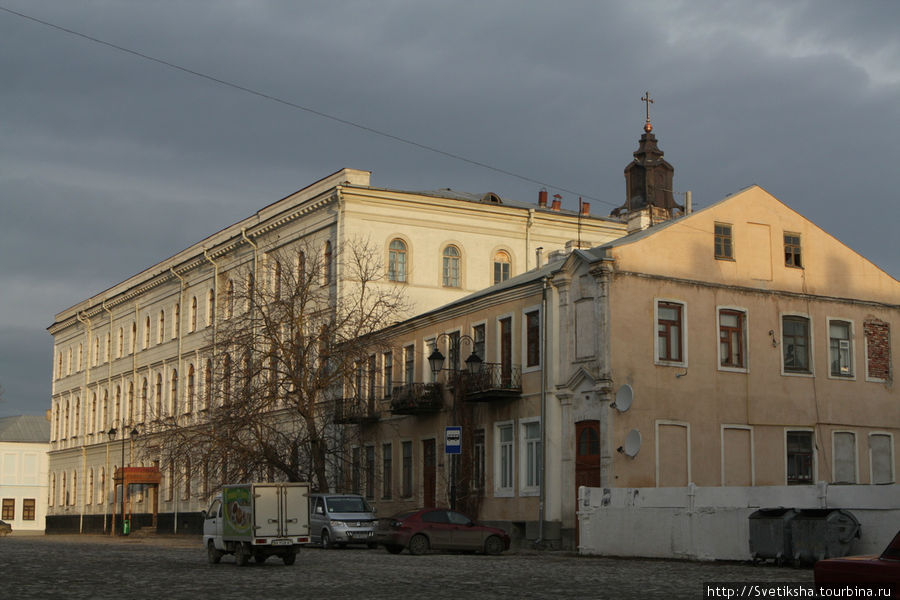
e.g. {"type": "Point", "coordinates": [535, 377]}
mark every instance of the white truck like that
{"type": "Point", "coordinates": [257, 520]}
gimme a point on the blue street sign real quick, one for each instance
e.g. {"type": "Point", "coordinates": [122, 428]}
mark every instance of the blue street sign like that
{"type": "Point", "coordinates": [453, 440]}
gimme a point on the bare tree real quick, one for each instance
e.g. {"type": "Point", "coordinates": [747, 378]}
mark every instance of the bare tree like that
{"type": "Point", "coordinates": [290, 334]}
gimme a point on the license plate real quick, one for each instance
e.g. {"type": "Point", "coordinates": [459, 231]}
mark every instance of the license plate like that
{"type": "Point", "coordinates": [281, 542]}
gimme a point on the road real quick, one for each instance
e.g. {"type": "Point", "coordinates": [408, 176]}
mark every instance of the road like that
{"type": "Point", "coordinates": [176, 567]}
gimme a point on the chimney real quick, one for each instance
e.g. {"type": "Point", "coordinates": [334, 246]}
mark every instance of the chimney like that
{"type": "Point", "coordinates": [542, 198]}
{"type": "Point", "coordinates": [557, 202]}
{"type": "Point", "coordinates": [539, 254]}
{"type": "Point", "coordinates": [585, 209]}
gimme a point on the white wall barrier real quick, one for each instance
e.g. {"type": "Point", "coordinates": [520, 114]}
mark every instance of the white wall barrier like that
{"type": "Point", "coordinates": [711, 523]}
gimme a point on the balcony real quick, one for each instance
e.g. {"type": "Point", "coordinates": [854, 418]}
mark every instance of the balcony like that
{"type": "Point", "coordinates": [494, 382]}
{"type": "Point", "coordinates": [417, 399]}
{"type": "Point", "coordinates": [355, 411]}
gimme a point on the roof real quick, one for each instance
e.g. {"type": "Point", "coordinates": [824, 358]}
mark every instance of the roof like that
{"type": "Point", "coordinates": [25, 428]}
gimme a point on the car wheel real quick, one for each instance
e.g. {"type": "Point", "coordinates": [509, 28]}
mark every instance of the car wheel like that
{"type": "Point", "coordinates": [212, 554]}
{"type": "Point", "coordinates": [289, 558]}
{"type": "Point", "coordinates": [393, 549]}
{"type": "Point", "coordinates": [493, 545]}
{"type": "Point", "coordinates": [326, 540]}
{"type": "Point", "coordinates": [418, 544]}
{"type": "Point", "coordinates": [241, 556]}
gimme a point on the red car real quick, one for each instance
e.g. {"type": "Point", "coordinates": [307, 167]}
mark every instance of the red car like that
{"type": "Point", "coordinates": [872, 570]}
{"type": "Point", "coordinates": [438, 529]}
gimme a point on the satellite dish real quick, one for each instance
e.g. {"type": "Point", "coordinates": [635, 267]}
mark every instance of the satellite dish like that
{"type": "Point", "coordinates": [623, 398]}
{"type": "Point", "coordinates": [632, 442]}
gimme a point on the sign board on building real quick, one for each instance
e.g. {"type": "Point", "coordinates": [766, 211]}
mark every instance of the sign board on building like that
{"type": "Point", "coordinates": [453, 440]}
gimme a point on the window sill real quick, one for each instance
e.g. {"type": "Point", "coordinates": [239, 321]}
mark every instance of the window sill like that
{"type": "Point", "coordinates": [504, 493]}
{"type": "Point", "coordinates": [733, 369]}
{"type": "Point", "coordinates": [726, 258]}
{"type": "Point", "coordinates": [842, 377]}
{"type": "Point", "coordinates": [669, 363]}
{"type": "Point", "coordinates": [530, 492]}
{"type": "Point", "coordinates": [797, 373]}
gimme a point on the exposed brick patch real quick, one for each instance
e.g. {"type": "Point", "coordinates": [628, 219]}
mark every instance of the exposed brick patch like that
{"type": "Point", "coordinates": [878, 349]}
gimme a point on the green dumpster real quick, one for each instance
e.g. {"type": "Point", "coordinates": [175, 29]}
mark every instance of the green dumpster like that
{"type": "Point", "coordinates": [126, 526]}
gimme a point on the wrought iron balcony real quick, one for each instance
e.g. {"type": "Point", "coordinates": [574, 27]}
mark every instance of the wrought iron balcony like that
{"type": "Point", "coordinates": [355, 411]}
{"type": "Point", "coordinates": [417, 398]}
{"type": "Point", "coordinates": [495, 381]}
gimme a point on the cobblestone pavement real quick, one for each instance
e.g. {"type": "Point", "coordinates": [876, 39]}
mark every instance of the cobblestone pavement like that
{"type": "Point", "coordinates": [176, 567]}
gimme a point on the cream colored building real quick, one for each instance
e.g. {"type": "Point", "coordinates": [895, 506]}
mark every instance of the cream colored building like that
{"type": "Point", "coordinates": [138, 351]}
{"type": "Point", "coordinates": [24, 442]}
{"type": "Point", "coordinates": [739, 345]}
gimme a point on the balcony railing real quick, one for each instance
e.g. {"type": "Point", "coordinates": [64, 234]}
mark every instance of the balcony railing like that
{"type": "Point", "coordinates": [355, 410]}
{"type": "Point", "coordinates": [495, 381]}
{"type": "Point", "coordinates": [417, 398]}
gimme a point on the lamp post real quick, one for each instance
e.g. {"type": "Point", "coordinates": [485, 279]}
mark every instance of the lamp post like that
{"type": "Point", "coordinates": [473, 366]}
{"type": "Point", "coordinates": [112, 436]}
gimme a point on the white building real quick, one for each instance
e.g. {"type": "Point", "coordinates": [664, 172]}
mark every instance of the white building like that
{"type": "Point", "coordinates": [24, 442]}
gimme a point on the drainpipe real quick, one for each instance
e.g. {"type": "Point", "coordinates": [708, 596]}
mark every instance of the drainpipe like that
{"type": "Point", "coordinates": [256, 283]}
{"type": "Point", "coordinates": [83, 487]}
{"type": "Point", "coordinates": [528, 224]}
{"type": "Point", "coordinates": [215, 296]}
{"type": "Point", "coordinates": [544, 365]}
{"type": "Point", "coordinates": [182, 374]}
{"type": "Point", "coordinates": [87, 369]}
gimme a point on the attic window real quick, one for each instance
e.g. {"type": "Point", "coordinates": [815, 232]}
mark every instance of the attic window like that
{"type": "Point", "coordinates": [491, 198]}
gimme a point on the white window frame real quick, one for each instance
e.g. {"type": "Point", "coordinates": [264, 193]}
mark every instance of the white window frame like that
{"type": "Point", "coordinates": [893, 462]}
{"type": "Point", "coordinates": [815, 453]}
{"type": "Point", "coordinates": [504, 492]}
{"type": "Point", "coordinates": [852, 325]}
{"type": "Point", "coordinates": [524, 489]}
{"type": "Point", "coordinates": [745, 346]}
{"type": "Point", "coordinates": [810, 348]}
{"type": "Point", "coordinates": [749, 428]}
{"type": "Point", "coordinates": [524, 338]}
{"type": "Point", "coordinates": [834, 455]}
{"type": "Point", "coordinates": [683, 363]}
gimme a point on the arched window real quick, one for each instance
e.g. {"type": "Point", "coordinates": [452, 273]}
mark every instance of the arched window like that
{"type": "Point", "coordinates": [80, 357]}
{"type": "Point", "coordinates": [226, 380]}
{"type": "Point", "coordinates": [117, 414]}
{"type": "Point", "coordinates": [105, 411]}
{"type": "Point", "coordinates": [207, 383]}
{"type": "Point", "coordinates": [102, 493]}
{"type": "Point", "coordinates": [301, 269]}
{"type": "Point", "coordinates": [397, 261]}
{"type": "Point", "coordinates": [144, 391]}
{"type": "Point", "coordinates": [63, 495]}
{"type": "Point", "coordinates": [160, 333]}
{"type": "Point", "coordinates": [229, 299]}
{"type": "Point", "coordinates": [51, 497]}
{"type": "Point", "coordinates": [96, 350]}
{"type": "Point", "coordinates": [276, 280]}
{"type": "Point", "coordinates": [120, 348]}
{"type": "Point", "coordinates": [326, 263]}
{"type": "Point", "coordinates": [107, 347]}
{"type": "Point", "coordinates": [176, 321]}
{"type": "Point", "coordinates": [210, 307]}
{"type": "Point", "coordinates": [451, 267]}
{"type": "Point", "coordinates": [133, 339]}
{"type": "Point", "coordinates": [147, 332]}
{"type": "Point", "coordinates": [130, 406]}
{"type": "Point", "coordinates": [501, 266]}
{"type": "Point", "coordinates": [173, 400]}
{"type": "Point", "coordinates": [194, 314]}
{"type": "Point", "coordinates": [73, 497]}
{"type": "Point", "coordinates": [69, 362]}
{"type": "Point", "coordinates": [92, 426]}
{"type": "Point", "coordinates": [66, 422]}
{"type": "Point", "coordinates": [56, 428]}
{"type": "Point", "coordinates": [189, 401]}
{"type": "Point", "coordinates": [90, 488]}
{"type": "Point", "coordinates": [75, 421]}
{"type": "Point", "coordinates": [158, 392]}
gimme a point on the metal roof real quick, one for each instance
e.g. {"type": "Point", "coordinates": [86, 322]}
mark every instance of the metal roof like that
{"type": "Point", "coordinates": [25, 428]}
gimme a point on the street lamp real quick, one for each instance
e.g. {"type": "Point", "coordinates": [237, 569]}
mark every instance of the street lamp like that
{"type": "Point", "coordinates": [473, 366]}
{"type": "Point", "coordinates": [112, 436]}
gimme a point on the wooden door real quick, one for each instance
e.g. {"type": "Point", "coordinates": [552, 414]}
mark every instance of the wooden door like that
{"type": "Point", "coordinates": [587, 460]}
{"type": "Point", "coordinates": [429, 472]}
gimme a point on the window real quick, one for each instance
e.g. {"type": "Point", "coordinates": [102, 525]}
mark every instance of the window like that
{"type": "Point", "coordinates": [844, 450]}
{"type": "Point", "coordinates": [731, 338]}
{"type": "Point", "coordinates": [406, 483]}
{"type": "Point", "coordinates": [501, 266]}
{"type": "Point", "coordinates": [792, 250]}
{"type": "Point", "coordinates": [120, 347]}
{"type": "Point", "coordinates": [189, 401]}
{"type": "Point", "coordinates": [173, 399]}
{"type": "Point", "coordinates": [531, 456]}
{"type": "Point", "coordinates": [162, 327]}
{"type": "Point", "coordinates": [108, 346]}
{"type": "Point", "coordinates": [80, 357]}
{"type": "Point", "coordinates": [724, 246]}
{"type": "Point", "coordinates": [370, 472]}
{"type": "Point", "coordinates": [881, 449]}
{"type": "Point", "coordinates": [450, 271]}
{"type": "Point", "coordinates": [669, 331]}
{"type": "Point", "coordinates": [145, 388]}
{"type": "Point", "coordinates": [840, 348]}
{"type": "Point", "coordinates": [276, 280]}
{"type": "Point", "coordinates": [387, 474]}
{"type": "Point", "coordinates": [133, 339]}
{"type": "Point", "coordinates": [176, 320]}
{"type": "Point", "coordinates": [9, 509]}
{"type": "Point", "coordinates": [326, 263]}
{"type": "Point", "coordinates": [207, 383]}
{"type": "Point", "coordinates": [388, 374]}
{"type": "Point", "coordinates": [193, 320]}
{"type": "Point", "coordinates": [505, 459]}
{"type": "Point", "coordinates": [397, 261]}
{"type": "Point", "coordinates": [409, 365]}
{"type": "Point", "coordinates": [371, 367]}
{"type": "Point", "coordinates": [878, 350]}
{"type": "Point", "coordinates": [532, 338]}
{"type": "Point", "coordinates": [146, 332]}
{"type": "Point", "coordinates": [229, 299]}
{"type": "Point", "coordinates": [478, 341]}
{"type": "Point", "coordinates": [210, 307]}
{"type": "Point", "coordinates": [355, 470]}
{"type": "Point", "coordinates": [453, 351]}
{"type": "Point", "coordinates": [478, 458]}
{"type": "Point", "coordinates": [795, 342]}
{"type": "Point", "coordinates": [158, 396]}
{"type": "Point", "coordinates": [799, 457]}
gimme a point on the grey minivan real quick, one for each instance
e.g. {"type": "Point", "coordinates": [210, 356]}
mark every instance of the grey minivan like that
{"type": "Point", "coordinates": [336, 520]}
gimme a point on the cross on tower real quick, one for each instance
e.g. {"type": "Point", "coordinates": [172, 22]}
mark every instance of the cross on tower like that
{"type": "Point", "coordinates": [647, 101]}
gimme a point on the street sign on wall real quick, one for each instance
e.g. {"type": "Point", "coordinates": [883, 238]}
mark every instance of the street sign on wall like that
{"type": "Point", "coordinates": [453, 439]}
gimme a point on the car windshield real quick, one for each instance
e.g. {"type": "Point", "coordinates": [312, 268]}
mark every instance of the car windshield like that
{"type": "Point", "coordinates": [348, 505]}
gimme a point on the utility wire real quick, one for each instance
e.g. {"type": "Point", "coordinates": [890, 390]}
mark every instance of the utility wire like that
{"type": "Point", "coordinates": [294, 105]}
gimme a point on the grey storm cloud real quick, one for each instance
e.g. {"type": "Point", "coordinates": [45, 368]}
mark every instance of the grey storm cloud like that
{"type": "Point", "coordinates": [110, 162]}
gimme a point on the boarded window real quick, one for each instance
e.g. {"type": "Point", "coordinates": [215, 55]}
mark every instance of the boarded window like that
{"type": "Point", "coordinates": [844, 457]}
{"type": "Point", "coordinates": [881, 447]}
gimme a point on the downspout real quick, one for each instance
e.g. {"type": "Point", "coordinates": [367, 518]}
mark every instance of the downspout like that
{"type": "Point", "coordinates": [256, 284]}
{"type": "Point", "coordinates": [87, 369]}
{"type": "Point", "coordinates": [215, 324]}
{"type": "Point", "coordinates": [528, 224]}
{"type": "Point", "coordinates": [181, 371]}
{"type": "Point", "coordinates": [544, 365]}
{"type": "Point", "coordinates": [108, 390]}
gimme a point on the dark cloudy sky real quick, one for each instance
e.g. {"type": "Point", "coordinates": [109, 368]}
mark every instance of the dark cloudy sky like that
{"type": "Point", "coordinates": [110, 163]}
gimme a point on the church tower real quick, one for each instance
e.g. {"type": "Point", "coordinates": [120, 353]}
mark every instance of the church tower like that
{"type": "Point", "coordinates": [648, 183]}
